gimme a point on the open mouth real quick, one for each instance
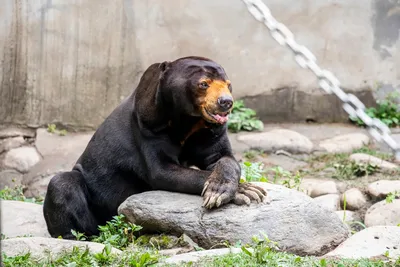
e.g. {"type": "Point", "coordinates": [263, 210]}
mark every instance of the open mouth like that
{"type": "Point", "coordinates": [220, 118]}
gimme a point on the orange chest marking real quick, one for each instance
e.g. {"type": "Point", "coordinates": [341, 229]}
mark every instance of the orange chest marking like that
{"type": "Point", "coordinates": [201, 124]}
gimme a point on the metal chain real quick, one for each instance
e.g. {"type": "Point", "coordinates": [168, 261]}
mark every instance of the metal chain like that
{"type": "Point", "coordinates": [327, 81]}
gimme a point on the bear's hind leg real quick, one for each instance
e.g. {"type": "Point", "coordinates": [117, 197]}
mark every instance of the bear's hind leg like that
{"type": "Point", "coordinates": [66, 206]}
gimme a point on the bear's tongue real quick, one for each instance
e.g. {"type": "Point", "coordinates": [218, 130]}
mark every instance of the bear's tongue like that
{"type": "Point", "coordinates": [221, 119]}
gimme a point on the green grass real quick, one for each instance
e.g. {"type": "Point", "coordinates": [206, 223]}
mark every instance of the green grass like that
{"type": "Point", "coordinates": [260, 252]}
{"type": "Point", "coordinates": [243, 119]}
{"type": "Point", "coordinates": [264, 252]}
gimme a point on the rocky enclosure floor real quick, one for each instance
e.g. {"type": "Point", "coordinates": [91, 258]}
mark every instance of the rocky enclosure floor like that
{"type": "Point", "coordinates": [336, 166]}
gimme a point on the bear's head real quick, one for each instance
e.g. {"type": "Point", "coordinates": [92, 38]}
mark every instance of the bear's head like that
{"type": "Point", "coordinates": [197, 86]}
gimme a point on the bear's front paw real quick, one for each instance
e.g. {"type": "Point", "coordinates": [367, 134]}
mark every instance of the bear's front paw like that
{"type": "Point", "coordinates": [248, 192]}
{"type": "Point", "coordinates": [217, 192]}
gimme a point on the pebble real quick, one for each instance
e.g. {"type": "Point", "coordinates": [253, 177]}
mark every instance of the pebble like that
{"type": "Point", "coordinates": [380, 189]}
{"type": "Point", "coordinates": [383, 213]}
{"type": "Point", "coordinates": [317, 187]}
{"type": "Point", "coordinates": [355, 199]}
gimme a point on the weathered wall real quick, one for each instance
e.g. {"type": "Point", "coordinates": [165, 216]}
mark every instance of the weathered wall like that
{"type": "Point", "coordinates": [73, 61]}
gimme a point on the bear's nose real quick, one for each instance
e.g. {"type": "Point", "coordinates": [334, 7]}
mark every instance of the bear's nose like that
{"type": "Point", "coordinates": [225, 102]}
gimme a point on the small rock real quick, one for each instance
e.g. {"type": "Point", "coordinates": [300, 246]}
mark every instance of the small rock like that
{"type": "Point", "coordinates": [198, 255]}
{"type": "Point", "coordinates": [38, 188]}
{"type": "Point", "coordinates": [365, 158]}
{"type": "Point", "coordinates": [383, 213]}
{"type": "Point", "coordinates": [355, 199]}
{"type": "Point", "coordinates": [370, 242]}
{"type": "Point", "coordinates": [22, 218]}
{"type": "Point", "coordinates": [21, 159]}
{"type": "Point", "coordinates": [38, 177]}
{"type": "Point", "coordinates": [14, 132]}
{"type": "Point", "coordinates": [278, 139]}
{"type": "Point", "coordinates": [10, 143]}
{"type": "Point", "coordinates": [70, 145]}
{"type": "Point", "coordinates": [38, 246]}
{"type": "Point", "coordinates": [329, 202]}
{"type": "Point", "coordinates": [10, 178]}
{"type": "Point", "coordinates": [317, 187]}
{"type": "Point", "coordinates": [380, 189]}
{"type": "Point", "coordinates": [289, 211]}
{"type": "Point", "coordinates": [347, 215]}
{"type": "Point", "coordinates": [344, 143]}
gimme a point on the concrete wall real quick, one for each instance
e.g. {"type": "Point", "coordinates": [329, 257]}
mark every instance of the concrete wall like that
{"type": "Point", "coordinates": [73, 61]}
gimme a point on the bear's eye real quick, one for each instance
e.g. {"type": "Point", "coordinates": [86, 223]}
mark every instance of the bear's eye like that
{"type": "Point", "coordinates": [203, 85]}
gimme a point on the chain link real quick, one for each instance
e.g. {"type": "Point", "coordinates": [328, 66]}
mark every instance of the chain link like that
{"type": "Point", "coordinates": [327, 81]}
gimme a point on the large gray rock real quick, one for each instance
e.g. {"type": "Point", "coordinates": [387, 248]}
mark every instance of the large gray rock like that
{"type": "Point", "coordinates": [21, 159]}
{"type": "Point", "coordinates": [22, 218]}
{"type": "Point", "coordinates": [10, 143]}
{"type": "Point", "coordinates": [371, 242]}
{"type": "Point", "coordinates": [39, 246]}
{"type": "Point", "coordinates": [380, 189]}
{"type": "Point", "coordinates": [344, 143]}
{"type": "Point", "coordinates": [278, 139]}
{"type": "Point", "coordinates": [383, 213]}
{"type": "Point", "coordinates": [291, 218]}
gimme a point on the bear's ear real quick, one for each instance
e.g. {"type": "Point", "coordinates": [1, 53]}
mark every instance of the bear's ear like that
{"type": "Point", "coordinates": [163, 66]}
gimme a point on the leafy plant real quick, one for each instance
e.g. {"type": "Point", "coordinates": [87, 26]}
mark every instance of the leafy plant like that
{"type": "Point", "coordinates": [351, 169]}
{"type": "Point", "coordinates": [262, 249]}
{"type": "Point", "coordinates": [252, 172]}
{"type": "Point", "coordinates": [392, 196]}
{"type": "Point", "coordinates": [78, 257]}
{"type": "Point", "coordinates": [242, 118]}
{"type": "Point", "coordinates": [52, 128]}
{"type": "Point", "coordinates": [118, 232]}
{"type": "Point", "coordinates": [17, 193]}
{"type": "Point", "coordinates": [78, 236]}
{"type": "Point", "coordinates": [387, 111]}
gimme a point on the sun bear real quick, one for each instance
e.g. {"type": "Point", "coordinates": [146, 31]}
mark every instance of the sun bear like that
{"type": "Point", "coordinates": [176, 118]}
